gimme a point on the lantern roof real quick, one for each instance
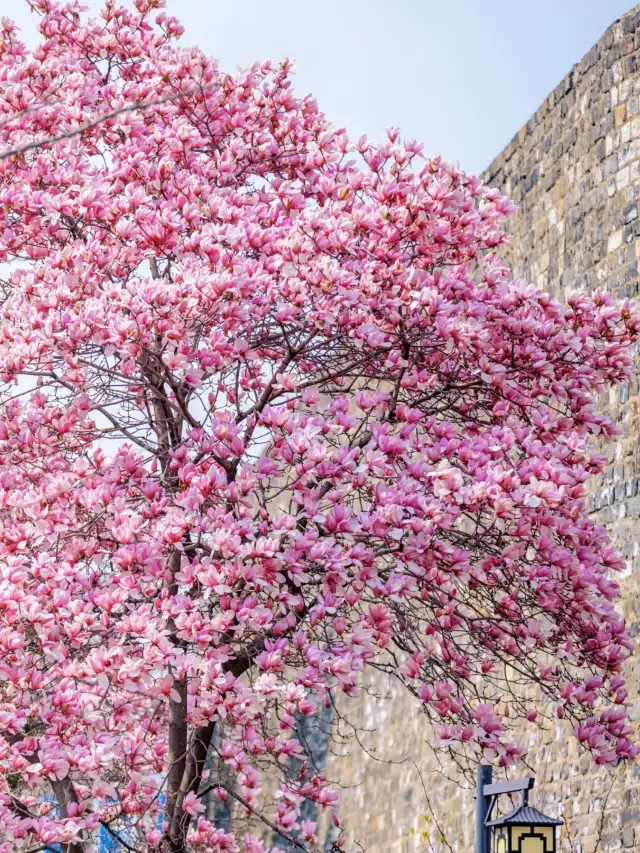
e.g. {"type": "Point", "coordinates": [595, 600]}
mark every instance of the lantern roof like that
{"type": "Point", "coordinates": [525, 815]}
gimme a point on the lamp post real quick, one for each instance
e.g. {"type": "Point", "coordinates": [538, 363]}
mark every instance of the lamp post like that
{"type": "Point", "coordinates": [525, 829]}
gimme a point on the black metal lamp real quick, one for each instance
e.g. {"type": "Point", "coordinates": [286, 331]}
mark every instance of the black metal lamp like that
{"type": "Point", "coordinates": [524, 829]}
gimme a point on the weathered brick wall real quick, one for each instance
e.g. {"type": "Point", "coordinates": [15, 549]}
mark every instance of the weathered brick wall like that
{"type": "Point", "coordinates": [574, 171]}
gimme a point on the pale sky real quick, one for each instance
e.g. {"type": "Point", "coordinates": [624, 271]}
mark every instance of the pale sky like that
{"type": "Point", "coordinates": [459, 75]}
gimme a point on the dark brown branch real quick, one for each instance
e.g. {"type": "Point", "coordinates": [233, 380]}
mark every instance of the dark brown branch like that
{"type": "Point", "coordinates": [178, 726]}
{"type": "Point", "coordinates": [193, 766]}
{"type": "Point", "coordinates": [118, 838]}
{"type": "Point", "coordinates": [65, 794]}
{"type": "Point", "coordinates": [260, 816]}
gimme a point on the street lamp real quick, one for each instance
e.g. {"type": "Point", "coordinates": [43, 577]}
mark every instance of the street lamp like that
{"type": "Point", "coordinates": [524, 829]}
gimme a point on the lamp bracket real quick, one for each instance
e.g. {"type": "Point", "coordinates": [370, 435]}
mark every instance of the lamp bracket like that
{"type": "Point", "coordinates": [511, 787]}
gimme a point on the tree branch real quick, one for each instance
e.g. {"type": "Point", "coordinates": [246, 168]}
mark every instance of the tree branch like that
{"type": "Point", "coordinates": [65, 793]}
{"type": "Point", "coordinates": [118, 838]}
{"type": "Point", "coordinates": [82, 128]}
{"type": "Point", "coordinates": [260, 817]}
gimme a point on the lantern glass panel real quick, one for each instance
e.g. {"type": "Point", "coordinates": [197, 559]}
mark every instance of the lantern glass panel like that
{"type": "Point", "coordinates": [532, 844]}
{"type": "Point", "coordinates": [518, 833]}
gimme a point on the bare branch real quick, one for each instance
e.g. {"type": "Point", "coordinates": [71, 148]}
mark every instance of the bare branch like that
{"type": "Point", "coordinates": [257, 814]}
{"type": "Point", "coordinates": [119, 838]}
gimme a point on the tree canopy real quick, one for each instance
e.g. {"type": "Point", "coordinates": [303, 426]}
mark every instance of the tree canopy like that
{"type": "Point", "coordinates": [272, 413]}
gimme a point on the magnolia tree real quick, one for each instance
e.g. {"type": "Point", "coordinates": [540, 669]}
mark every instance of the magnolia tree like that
{"type": "Point", "coordinates": [272, 413]}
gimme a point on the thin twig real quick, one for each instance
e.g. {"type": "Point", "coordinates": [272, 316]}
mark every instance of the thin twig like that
{"type": "Point", "coordinates": [41, 847]}
{"type": "Point", "coordinates": [604, 808]}
{"type": "Point", "coordinates": [120, 840]}
{"type": "Point", "coordinates": [443, 837]}
{"type": "Point", "coordinates": [255, 812]}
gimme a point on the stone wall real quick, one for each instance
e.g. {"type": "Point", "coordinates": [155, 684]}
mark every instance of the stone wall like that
{"type": "Point", "coordinates": [574, 172]}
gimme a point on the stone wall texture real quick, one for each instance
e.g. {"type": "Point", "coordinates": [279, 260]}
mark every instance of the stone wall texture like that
{"type": "Point", "coordinates": [574, 172]}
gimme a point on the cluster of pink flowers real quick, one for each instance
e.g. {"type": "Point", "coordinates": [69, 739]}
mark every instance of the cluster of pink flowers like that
{"type": "Point", "coordinates": [272, 412]}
